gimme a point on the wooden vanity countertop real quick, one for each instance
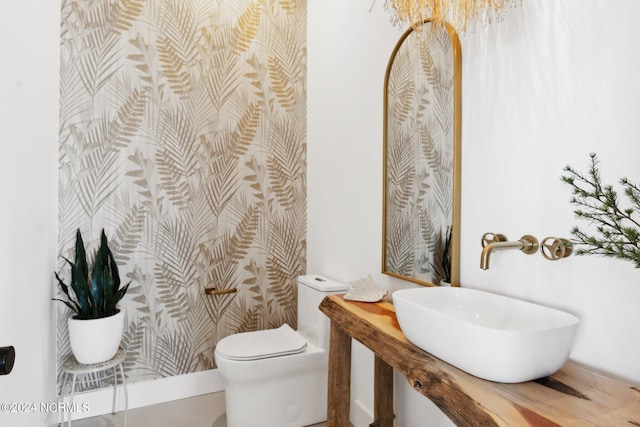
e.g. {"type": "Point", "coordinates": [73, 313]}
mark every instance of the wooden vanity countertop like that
{"type": "Point", "coordinates": [573, 396]}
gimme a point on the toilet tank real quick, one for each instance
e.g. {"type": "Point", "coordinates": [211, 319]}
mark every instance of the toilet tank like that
{"type": "Point", "coordinates": [312, 323]}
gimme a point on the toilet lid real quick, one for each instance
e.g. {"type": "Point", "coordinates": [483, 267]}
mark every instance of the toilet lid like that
{"type": "Point", "coordinates": [261, 344]}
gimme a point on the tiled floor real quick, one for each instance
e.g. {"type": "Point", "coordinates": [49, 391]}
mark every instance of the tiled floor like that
{"type": "Point", "coordinates": [201, 411]}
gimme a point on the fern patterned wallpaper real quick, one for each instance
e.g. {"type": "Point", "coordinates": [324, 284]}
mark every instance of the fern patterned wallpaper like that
{"type": "Point", "coordinates": [419, 154]}
{"type": "Point", "coordinates": [183, 135]}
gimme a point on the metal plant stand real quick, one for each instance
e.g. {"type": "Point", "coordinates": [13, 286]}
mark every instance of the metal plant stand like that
{"type": "Point", "coordinates": [72, 369]}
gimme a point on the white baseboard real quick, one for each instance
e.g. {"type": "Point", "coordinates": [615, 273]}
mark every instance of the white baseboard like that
{"type": "Point", "coordinates": [145, 393]}
{"type": "Point", "coordinates": [360, 416]}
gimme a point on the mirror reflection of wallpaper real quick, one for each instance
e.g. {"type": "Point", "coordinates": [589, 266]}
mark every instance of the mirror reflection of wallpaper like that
{"type": "Point", "coordinates": [419, 153]}
{"type": "Point", "coordinates": [183, 134]}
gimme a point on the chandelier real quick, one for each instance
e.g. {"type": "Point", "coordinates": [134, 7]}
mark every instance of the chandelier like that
{"type": "Point", "coordinates": [458, 13]}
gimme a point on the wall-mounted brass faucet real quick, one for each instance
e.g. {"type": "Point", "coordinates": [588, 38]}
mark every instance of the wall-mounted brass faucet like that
{"type": "Point", "coordinates": [497, 242]}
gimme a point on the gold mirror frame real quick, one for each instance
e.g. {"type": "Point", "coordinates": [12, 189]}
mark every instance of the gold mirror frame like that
{"type": "Point", "coordinates": [456, 155]}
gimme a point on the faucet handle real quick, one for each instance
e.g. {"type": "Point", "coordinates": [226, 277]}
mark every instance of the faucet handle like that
{"type": "Point", "coordinates": [554, 248]}
{"type": "Point", "coordinates": [488, 238]}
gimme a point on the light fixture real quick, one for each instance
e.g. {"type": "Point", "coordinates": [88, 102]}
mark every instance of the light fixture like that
{"type": "Point", "coordinates": [458, 13]}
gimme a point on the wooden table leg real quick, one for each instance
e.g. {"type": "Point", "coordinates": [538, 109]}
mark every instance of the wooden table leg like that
{"type": "Point", "coordinates": [339, 386]}
{"type": "Point", "coordinates": [383, 398]}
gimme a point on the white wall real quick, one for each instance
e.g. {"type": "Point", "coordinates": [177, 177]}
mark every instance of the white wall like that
{"type": "Point", "coordinates": [29, 48]}
{"type": "Point", "coordinates": [549, 84]}
{"type": "Point", "coordinates": [552, 83]}
{"type": "Point", "coordinates": [348, 49]}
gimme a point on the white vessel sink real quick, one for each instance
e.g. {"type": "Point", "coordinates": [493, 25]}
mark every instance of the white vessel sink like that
{"type": "Point", "coordinates": [491, 336]}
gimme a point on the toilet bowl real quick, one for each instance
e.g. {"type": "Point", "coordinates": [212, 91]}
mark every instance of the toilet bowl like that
{"type": "Point", "coordinates": [278, 377]}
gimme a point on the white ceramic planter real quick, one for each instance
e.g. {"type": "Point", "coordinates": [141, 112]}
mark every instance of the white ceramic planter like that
{"type": "Point", "coordinates": [96, 340]}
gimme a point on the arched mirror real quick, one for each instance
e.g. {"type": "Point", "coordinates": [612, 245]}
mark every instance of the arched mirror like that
{"type": "Point", "coordinates": [422, 133]}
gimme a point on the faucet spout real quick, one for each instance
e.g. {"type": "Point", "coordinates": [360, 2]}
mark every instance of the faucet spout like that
{"type": "Point", "coordinates": [527, 244]}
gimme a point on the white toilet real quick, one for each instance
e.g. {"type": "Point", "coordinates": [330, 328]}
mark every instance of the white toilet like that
{"type": "Point", "coordinates": [278, 377]}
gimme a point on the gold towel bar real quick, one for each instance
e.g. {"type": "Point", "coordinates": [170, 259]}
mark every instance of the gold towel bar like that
{"type": "Point", "coordinates": [214, 291]}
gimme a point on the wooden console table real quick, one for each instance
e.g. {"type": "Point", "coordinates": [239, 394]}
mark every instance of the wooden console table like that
{"type": "Point", "coordinates": [573, 396]}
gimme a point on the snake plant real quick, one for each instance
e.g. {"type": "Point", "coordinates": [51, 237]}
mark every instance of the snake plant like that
{"type": "Point", "coordinates": [442, 258]}
{"type": "Point", "coordinates": [96, 295]}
